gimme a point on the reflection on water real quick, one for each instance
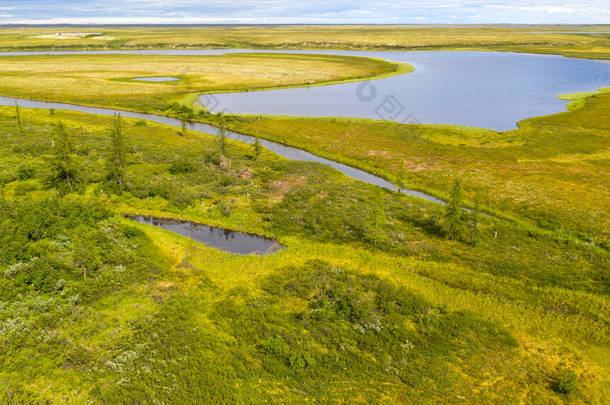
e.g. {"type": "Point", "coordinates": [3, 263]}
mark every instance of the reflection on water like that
{"type": "Point", "coordinates": [223, 239]}
{"type": "Point", "coordinates": [486, 89]}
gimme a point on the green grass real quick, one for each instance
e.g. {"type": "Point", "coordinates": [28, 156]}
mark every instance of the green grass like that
{"type": "Point", "coordinates": [550, 173]}
{"type": "Point", "coordinates": [579, 100]}
{"type": "Point", "coordinates": [368, 302]}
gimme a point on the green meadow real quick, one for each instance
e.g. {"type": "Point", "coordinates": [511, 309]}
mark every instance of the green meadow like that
{"type": "Point", "coordinates": [376, 296]}
{"type": "Point", "coordinates": [368, 302]}
{"type": "Point", "coordinates": [550, 173]}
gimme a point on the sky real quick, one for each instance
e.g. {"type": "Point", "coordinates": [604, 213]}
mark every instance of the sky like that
{"type": "Point", "coordinates": [304, 11]}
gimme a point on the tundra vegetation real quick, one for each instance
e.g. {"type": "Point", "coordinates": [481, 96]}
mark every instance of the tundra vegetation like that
{"type": "Point", "coordinates": [106, 80]}
{"type": "Point", "coordinates": [550, 173]}
{"type": "Point", "coordinates": [500, 296]}
{"type": "Point", "coordinates": [577, 41]}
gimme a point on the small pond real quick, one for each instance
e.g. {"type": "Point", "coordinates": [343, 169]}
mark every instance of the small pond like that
{"type": "Point", "coordinates": [230, 241]}
{"type": "Point", "coordinates": [156, 79]}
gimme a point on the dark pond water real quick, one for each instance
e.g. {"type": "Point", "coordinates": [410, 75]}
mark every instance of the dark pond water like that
{"type": "Point", "coordinates": [287, 152]}
{"type": "Point", "coordinates": [157, 79]}
{"type": "Point", "coordinates": [484, 89]}
{"type": "Point", "coordinates": [223, 239]}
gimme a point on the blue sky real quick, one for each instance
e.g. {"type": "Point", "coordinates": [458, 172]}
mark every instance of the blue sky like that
{"type": "Point", "coordinates": [304, 11]}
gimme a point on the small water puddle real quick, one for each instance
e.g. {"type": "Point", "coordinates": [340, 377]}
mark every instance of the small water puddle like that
{"type": "Point", "coordinates": [230, 241]}
{"type": "Point", "coordinates": [156, 79]}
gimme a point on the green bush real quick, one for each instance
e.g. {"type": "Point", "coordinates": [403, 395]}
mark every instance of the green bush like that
{"type": "Point", "coordinates": [183, 166]}
{"type": "Point", "coordinates": [301, 360]}
{"type": "Point", "coordinates": [132, 232]}
{"type": "Point", "coordinates": [226, 181]}
{"type": "Point", "coordinates": [25, 173]}
{"type": "Point", "coordinates": [24, 188]}
{"type": "Point", "coordinates": [564, 381]}
{"type": "Point", "coordinates": [275, 346]}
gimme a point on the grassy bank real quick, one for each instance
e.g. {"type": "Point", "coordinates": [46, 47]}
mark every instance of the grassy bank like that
{"type": "Point", "coordinates": [106, 80]}
{"type": "Point", "coordinates": [550, 171]}
{"type": "Point", "coordinates": [592, 43]}
{"type": "Point", "coordinates": [369, 299]}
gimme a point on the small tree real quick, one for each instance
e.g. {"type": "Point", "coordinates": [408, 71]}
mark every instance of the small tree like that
{"type": "Point", "coordinates": [118, 155]}
{"type": "Point", "coordinates": [474, 231]}
{"type": "Point", "coordinates": [222, 140]}
{"type": "Point", "coordinates": [257, 148]}
{"type": "Point", "coordinates": [18, 115]}
{"type": "Point", "coordinates": [453, 215]}
{"type": "Point", "coordinates": [183, 122]}
{"type": "Point", "coordinates": [377, 213]}
{"type": "Point", "coordinates": [87, 254]}
{"type": "Point", "coordinates": [64, 168]}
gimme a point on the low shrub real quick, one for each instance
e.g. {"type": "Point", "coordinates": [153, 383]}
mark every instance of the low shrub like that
{"type": "Point", "coordinates": [564, 381]}
{"type": "Point", "coordinates": [183, 166]}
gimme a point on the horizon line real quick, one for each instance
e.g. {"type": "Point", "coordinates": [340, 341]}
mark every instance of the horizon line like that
{"type": "Point", "coordinates": [289, 24]}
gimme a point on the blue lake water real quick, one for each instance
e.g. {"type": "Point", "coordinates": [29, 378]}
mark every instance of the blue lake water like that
{"type": "Point", "coordinates": [483, 89]}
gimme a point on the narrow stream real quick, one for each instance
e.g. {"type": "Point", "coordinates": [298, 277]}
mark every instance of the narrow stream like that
{"type": "Point", "coordinates": [287, 152]}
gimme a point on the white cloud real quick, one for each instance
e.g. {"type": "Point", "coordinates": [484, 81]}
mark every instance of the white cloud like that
{"type": "Point", "coordinates": [312, 11]}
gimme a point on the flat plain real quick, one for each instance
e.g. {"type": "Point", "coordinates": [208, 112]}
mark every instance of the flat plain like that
{"type": "Point", "coordinates": [579, 41]}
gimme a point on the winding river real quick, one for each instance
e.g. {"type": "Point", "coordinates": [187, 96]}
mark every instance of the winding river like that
{"type": "Point", "coordinates": [483, 89]}
{"type": "Point", "coordinates": [287, 152]}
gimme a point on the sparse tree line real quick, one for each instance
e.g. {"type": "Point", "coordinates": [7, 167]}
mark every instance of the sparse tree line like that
{"type": "Point", "coordinates": [186, 114]}
{"type": "Point", "coordinates": [66, 172]}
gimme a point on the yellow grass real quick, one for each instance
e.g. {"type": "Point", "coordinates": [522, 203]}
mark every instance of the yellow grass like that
{"type": "Point", "coordinates": [107, 79]}
{"type": "Point", "coordinates": [327, 37]}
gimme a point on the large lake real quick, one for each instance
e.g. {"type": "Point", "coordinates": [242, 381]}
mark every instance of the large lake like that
{"type": "Point", "coordinates": [483, 89]}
